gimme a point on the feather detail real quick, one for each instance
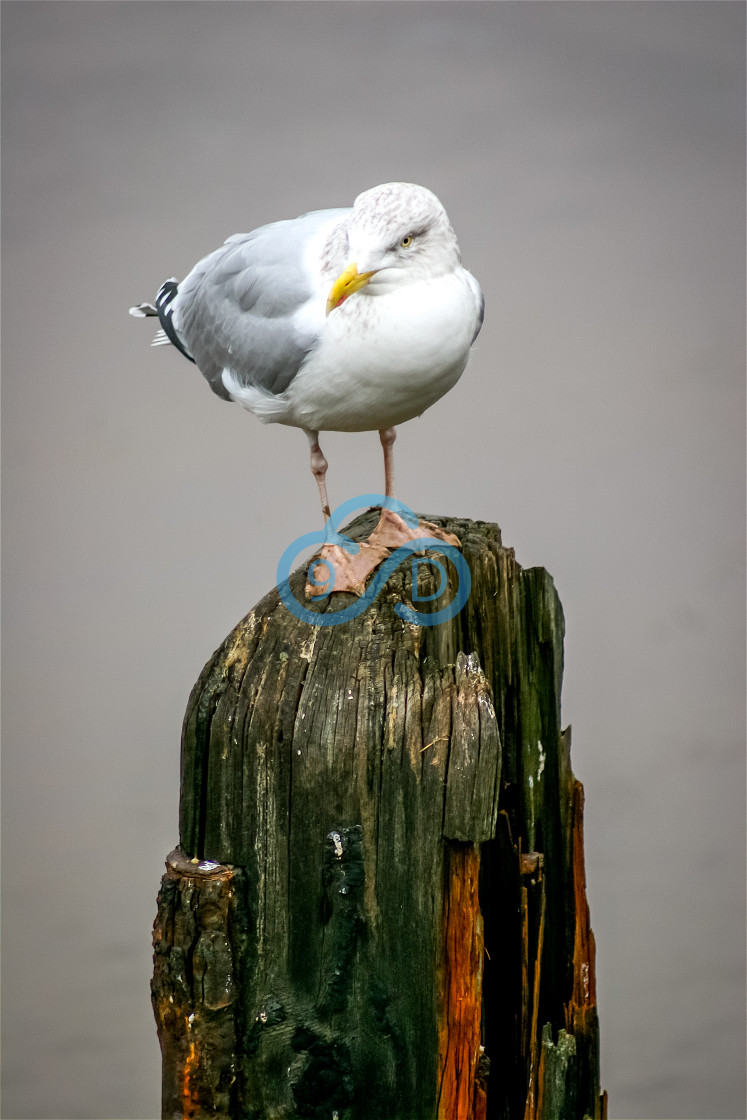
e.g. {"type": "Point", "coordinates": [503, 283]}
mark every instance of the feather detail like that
{"type": "Point", "coordinates": [143, 310]}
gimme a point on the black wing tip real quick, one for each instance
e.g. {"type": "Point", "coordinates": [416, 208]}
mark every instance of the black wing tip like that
{"type": "Point", "coordinates": [167, 293]}
{"type": "Point", "coordinates": [163, 310]}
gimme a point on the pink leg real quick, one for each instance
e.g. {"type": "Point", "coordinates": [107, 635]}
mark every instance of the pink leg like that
{"type": "Point", "coordinates": [387, 437]}
{"type": "Point", "coordinates": [392, 530]}
{"type": "Point", "coordinates": [319, 470]}
{"type": "Point", "coordinates": [350, 571]}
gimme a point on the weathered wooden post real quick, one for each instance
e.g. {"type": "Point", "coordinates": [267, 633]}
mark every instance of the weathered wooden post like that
{"type": "Point", "coordinates": [377, 910]}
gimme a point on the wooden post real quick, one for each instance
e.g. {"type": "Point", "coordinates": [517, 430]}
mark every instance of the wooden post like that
{"type": "Point", "coordinates": [377, 910]}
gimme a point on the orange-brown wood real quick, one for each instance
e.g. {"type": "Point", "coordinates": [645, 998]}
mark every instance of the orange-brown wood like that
{"type": "Point", "coordinates": [460, 1096]}
{"type": "Point", "coordinates": [581, 1017]}
{"type": "Point", "coordinates": [533, 1104]}
{"type": "Point", "coordinates": [584, 996]}
{"type": "Point", "coordinates": [481, 1102]}
{"type": "Point", "coordinates": [525, 989]}
{"type": "Point", "coordinates": [190, 1104]}
{"type": "Point", "coordinates": [194, 989]}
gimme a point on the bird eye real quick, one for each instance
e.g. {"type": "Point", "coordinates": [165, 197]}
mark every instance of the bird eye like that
{"type": "Point", "coordinates": [406, 242]}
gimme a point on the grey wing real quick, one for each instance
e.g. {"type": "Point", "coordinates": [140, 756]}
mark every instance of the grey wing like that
{"type": "Point", "coordinates": [236, 308]}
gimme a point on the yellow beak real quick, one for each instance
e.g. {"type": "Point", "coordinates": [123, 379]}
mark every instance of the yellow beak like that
{"type": "Point", "coordinates": [348, 282]}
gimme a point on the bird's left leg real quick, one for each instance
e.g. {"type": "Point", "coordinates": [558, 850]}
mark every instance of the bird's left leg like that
{"type": "Point", "coordinates": [392, 530]}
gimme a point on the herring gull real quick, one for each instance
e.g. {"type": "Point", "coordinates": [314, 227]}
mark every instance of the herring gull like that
{"type": "Point", "coordinates": [353, 319]}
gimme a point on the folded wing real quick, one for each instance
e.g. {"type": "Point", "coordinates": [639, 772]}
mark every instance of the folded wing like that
{"type": "Point", "coordinates": [245, 307]}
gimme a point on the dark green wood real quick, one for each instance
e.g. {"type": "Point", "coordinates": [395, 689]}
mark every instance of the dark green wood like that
{"type": "Point", "coordinates": [334, 767]}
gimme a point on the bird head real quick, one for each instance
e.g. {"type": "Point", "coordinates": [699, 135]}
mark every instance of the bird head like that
{"type": "Point", "coordinates": [398, 233]}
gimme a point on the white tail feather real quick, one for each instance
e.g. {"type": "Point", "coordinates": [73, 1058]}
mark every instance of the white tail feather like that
{"type": "Point", "coordinates": [143, 310]}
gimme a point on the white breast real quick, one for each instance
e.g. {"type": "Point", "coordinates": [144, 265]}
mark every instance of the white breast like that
{"type": "Point", "coordinates": [384, 358]}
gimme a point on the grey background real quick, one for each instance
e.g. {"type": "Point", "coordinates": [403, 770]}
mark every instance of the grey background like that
{"type": "Point", "coordinates": [591, 158]}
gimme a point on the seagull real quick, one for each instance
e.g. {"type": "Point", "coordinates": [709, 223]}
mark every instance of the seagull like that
{"type": "Point", "coordinates": [349, 319]}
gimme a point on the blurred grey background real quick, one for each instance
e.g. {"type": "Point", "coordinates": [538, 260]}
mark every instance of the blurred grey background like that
{"type": "Point", "coordinates": [591, 158]}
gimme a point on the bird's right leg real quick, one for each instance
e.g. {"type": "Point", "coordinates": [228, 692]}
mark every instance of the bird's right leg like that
{"type": "Point", "coordinates": [344, 570]}
{"type": "Point", "coordinates": [319, 471]}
